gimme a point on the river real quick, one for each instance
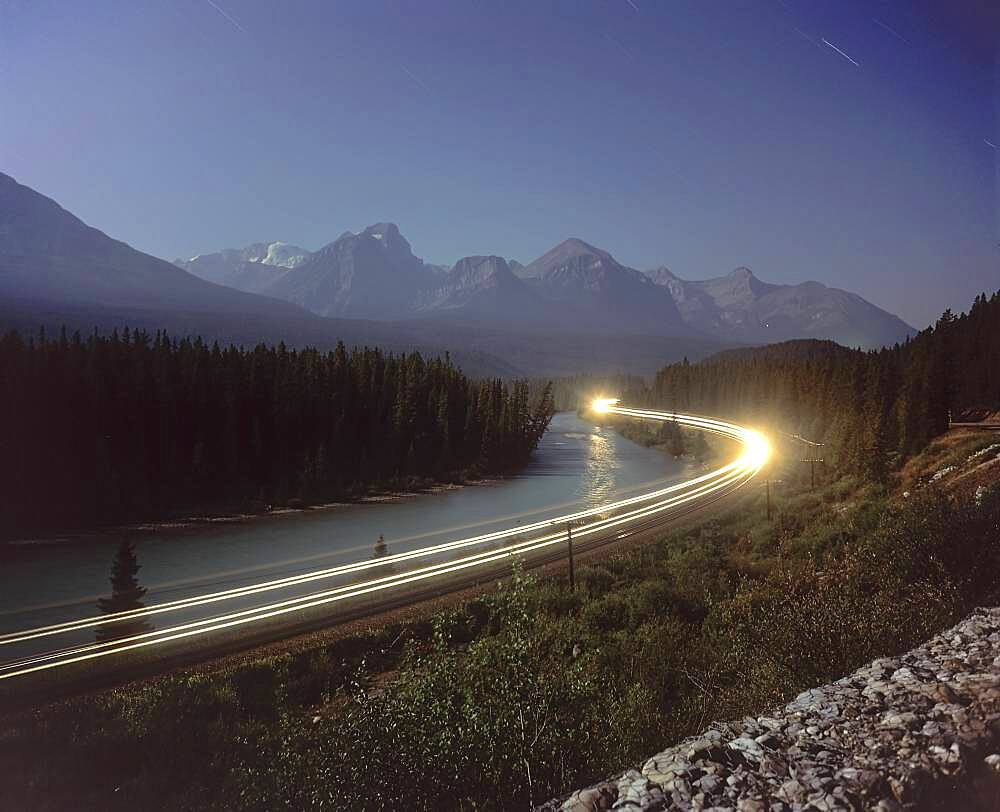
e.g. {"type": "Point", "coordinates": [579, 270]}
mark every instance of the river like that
{"type": "Point", "coordinates": [575, 464]}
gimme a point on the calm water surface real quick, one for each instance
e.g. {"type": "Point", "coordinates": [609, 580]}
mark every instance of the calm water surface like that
{"type": "Point", "coordinates": [575, 465]}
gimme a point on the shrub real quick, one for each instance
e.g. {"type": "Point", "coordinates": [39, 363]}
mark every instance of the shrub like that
{"type": "Point", "coordinates": [260, 687]}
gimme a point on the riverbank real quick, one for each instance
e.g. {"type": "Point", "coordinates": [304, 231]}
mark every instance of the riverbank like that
{"type": "Point", "coordinates": [209, 519]}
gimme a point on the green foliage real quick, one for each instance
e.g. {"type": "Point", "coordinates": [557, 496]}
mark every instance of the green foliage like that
{"type": "Point", "coordinates": [922, 566]}
{"type": "Point", "coordinates": [259, 687]}
{"type": "Point", "coordinates": [503, 722]}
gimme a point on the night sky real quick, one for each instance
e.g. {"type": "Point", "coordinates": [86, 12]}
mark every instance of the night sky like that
{"type": "Point", "coordinates": [851, 143]}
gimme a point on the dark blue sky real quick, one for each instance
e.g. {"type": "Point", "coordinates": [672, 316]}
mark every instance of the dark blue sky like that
{"type": "Point", "coordinates": [700, 135]}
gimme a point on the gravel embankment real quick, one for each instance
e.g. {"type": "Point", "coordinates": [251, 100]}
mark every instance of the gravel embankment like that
{"type": "Point", "coordinates": [918, 731]}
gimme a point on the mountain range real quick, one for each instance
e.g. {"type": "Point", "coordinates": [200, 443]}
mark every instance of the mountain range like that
{"type": "Point", "coordinates": [375, 275]}
{"type": "Point", "coordinates": [498, 317]}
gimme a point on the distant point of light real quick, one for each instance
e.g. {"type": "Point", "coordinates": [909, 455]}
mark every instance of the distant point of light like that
{"type": "Point", "coordinates": [603, 405]}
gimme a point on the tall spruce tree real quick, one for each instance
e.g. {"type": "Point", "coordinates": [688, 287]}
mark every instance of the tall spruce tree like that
{"type": "Point", "coordinates": [126, 595]}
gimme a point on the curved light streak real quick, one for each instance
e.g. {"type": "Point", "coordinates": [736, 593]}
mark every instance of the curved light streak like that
{"type": "Point", "coordinates": [624, 512]}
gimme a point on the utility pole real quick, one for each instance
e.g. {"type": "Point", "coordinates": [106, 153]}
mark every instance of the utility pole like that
{"type": "Point", "coordinates": [812, 470]}
{"type": "Point", "coordinates": [569, 546]}
{"type": "Point", "coordinates": [767, 489]}
{"type": "Point", "coordinates": [811, 459]}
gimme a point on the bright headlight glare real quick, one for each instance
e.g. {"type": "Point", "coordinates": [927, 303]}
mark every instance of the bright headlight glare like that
{"type": "Point", "coordinates": [757, 449]}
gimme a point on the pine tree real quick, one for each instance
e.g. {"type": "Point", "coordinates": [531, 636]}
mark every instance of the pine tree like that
{"type": "Point", "coordinates": [126, 595]}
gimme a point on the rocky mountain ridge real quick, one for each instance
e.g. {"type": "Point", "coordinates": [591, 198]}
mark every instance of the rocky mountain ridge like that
{"type": "Point", "coordinates": [595, 288]}
{"type": "Point", "coordinates": [743, 308]}
{"type": "Point", "coordinates": [576, 286]}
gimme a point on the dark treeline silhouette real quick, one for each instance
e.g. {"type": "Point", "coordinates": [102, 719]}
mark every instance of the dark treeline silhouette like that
{"type": "Point", "coordinates": [871, 408]}
{"type": "Point", "coordinates": [128, 426]}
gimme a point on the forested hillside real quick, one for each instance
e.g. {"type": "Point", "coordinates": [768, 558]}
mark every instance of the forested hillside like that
{"type": "Point", "coordinates": [871, 408]}
{"type": "Point", "coordinates": [128, 426]}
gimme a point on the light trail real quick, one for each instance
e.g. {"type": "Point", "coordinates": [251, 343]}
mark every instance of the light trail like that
{"type": "Point", "coordinates": [92, 650]}
{"type": "Point", "coordinates": [162, 587]}
{"type": "Point", "coordinates": [630, 511]}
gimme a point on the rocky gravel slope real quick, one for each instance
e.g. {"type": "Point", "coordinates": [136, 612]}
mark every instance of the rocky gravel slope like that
{"type": "Point", "coordinates": [918, 731]}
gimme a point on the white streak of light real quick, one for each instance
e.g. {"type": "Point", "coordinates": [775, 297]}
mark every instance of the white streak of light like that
{"type": "Point", "coordinates": [852, 61]}
{"type": "Point", "coordinates": [226, 15]}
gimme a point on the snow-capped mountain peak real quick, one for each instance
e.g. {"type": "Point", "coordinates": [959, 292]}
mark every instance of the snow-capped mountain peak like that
{"type": "Point", "coordinates": [250, 268]}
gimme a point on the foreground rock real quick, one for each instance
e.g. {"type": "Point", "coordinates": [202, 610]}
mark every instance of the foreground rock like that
{"type": "Point", "coordinates": [919, 731]}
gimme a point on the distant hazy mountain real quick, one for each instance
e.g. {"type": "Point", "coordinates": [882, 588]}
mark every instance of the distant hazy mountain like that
{"type": "Point", "coordinates": [575, 286]}
{"type": "Point", "coordinates": [740, 307]}
{"type": "Point", "coordinates": [373, 275]}
{"type": "Point", "coordinates": [250, 269]}
{"type": "Point", "coordinates": [589, 286]}
{"type": "Point", "coordinates": [481, 288]}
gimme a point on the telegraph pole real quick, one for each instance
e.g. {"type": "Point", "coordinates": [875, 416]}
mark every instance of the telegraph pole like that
{"type": "Point", "coordinates": [569, 547]}
{"type": "Point", "coordinates": [812, 459]}
{"type": "Point", "coordinates": [812, 470]}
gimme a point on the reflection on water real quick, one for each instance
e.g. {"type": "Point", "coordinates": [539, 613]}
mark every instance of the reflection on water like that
{"type": "Point", "coordinates": [602, 463]}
